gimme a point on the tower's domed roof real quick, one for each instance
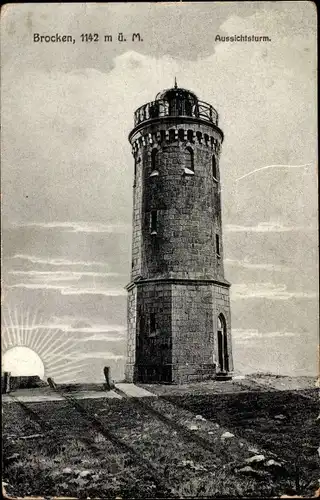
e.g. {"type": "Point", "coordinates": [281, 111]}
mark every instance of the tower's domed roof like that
{"type": "Point", "coordinates": [176, 102]}
{"type": "Point", "coordinates": [176, 92]}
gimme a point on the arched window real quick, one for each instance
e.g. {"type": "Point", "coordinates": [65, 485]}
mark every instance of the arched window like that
{"type": "Point", "coordinates": [173, 106]}
{"type": "Point", "coordinates": [181, 134]}
{"type": "Point", "coordinates": [190, 135]}
{"type": "Point", "coordinates": [188, 108]}
{"type": "Point", "coordinates": [221, 322]}
{"type": "Point", "coordinates": [172, 135]}
{"type": "Point", "coordinates": [223, 357]}
{"type": "Point", "coordinates": [166, 108]}
{"type": "Point", "coordinates": [189, 162]}
{"type": "Point", "coordinates": [154, 110]}
{"type": "Point", "coordinates": [214, 168]}
{"type": "Point", "coordinates": [154, 163]}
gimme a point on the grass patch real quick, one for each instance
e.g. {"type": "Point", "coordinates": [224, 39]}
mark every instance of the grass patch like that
{"type": "Point", "coordinates": [167, 451]}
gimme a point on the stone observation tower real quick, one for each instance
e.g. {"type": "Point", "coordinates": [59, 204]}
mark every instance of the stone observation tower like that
{"type": "Point", "coordinates": [179, 327]}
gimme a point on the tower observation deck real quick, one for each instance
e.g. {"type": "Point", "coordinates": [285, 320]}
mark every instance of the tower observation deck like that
{"type": "Point", "coordinates": [176, 102]}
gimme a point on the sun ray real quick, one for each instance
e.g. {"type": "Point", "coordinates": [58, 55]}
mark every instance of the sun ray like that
{"type": "Point", "coordinates": [4, 339]}
{"type": "Point", "coordinates": [34, 337]}
{"type": "Point", "coordinates": [58, 372]}
{"type": "Point", "coordinates": [62, 348]}
{"type": "Point", "coordinates": [30, 333]}
{"type": "Point", "coordinates": [59, 341]}
{"type": "Point", "coordinates": [17, 327]}
{"type": "Point", "coordinates": [54, 346]}
{"type": "Point", "coordinates": [72, 377]}
{"type": "Point", "coordinates": [62, 368]}
{"type": "Point", "coordinates": [5, 331]}
{"type": "Point", "coordinates": [40, 336]}
{"type": "Point", "coordinates": [23, 322]}
{"type": "Point", "coordinates": [63, 377]}
{"type": "Point", "coordinates": [27, 326]}
{"type": "Point", "coordinates": [11, 327]}
{"type": "Point", "coordinates": [61, 360]}
{"type": "Point", "coordinates": [28, 336]}
{"type": "Point", "coordinates": [22, 327]}
{"type": "Point", "coordinates": [4, 345]}
{"type": "Point", "coordinates": [6, 321]}
{"type": "Point", "coordinates": [43, 340]}
{"type": "Point", "coordinates": [35, 332]}
{"type": "Point", "coordinates": [43, 347]}
{"type": "Point", "coordinates": [62, 363]}
{"type": "Point", "coordinates": [26, 329]}
{"type": "Point", "coordinates": [61, 351]}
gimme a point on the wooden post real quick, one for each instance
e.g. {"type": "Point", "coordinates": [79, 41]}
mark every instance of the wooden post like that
{"type": "Point", "coordinates": [52, 383]}
{"type": "Point", "coordinates": [6, 382]}
{"type": "Point", "coordinates": [109, 384]}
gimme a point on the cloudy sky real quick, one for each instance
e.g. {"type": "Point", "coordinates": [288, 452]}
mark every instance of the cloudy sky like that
{"type": "Point", "coordinates": [67, 172]}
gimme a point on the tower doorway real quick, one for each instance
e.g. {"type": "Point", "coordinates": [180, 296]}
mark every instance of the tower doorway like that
{"type": "Point", "coordinates": [223, 357]}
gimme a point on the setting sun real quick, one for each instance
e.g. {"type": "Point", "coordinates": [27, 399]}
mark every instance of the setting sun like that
{"type": "Point", "coordinates": [22, 361]}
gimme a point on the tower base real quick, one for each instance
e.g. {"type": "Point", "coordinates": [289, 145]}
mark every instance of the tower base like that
{"type": "Point", "coordinates": [172, 374]}
{"type": "Point", "coordinates": [179, 331]}
{"type": "Point", "coordinates": [223, 377]}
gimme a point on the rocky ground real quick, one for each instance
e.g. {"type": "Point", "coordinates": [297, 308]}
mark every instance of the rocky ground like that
{"type": "Point", "coordinates": [253, 436]}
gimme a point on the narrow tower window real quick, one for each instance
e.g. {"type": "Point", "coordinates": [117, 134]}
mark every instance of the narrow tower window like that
{"type": "Point", "coordinates": [214, 168]}
{"type": "Point", "coordinates": [199, 137]}
{"type": "Point", "coordinates": [154, 163]}
{"type": "Point", "coordinates": [135, 174]}
{"type": "Point", "coordinates": [154, 222]}
{"type": "Point", "coordinates": [218, 245]}
{"type": "Point", "coordinates": [189, 162]}
{"type": "Point", "coordinates": [136, 162]}
{"type": "Point", "coordinates": [153, 323]}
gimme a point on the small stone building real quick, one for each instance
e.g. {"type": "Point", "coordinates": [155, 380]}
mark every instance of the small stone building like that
{"type": "Point", "coordinates": [179, 325]}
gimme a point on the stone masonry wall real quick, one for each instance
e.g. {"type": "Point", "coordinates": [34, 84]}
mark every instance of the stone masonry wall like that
{"type": "Point", "coordinates": [192, 332]}
{"type": "Point", "coordinates": [131, 334]}
{"type": "Point", "coordinates": [137, 217]}
{"type": "Point", "coordinates": [154, 304]}
{"type": "Point", "coordinates": [188, 206]}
